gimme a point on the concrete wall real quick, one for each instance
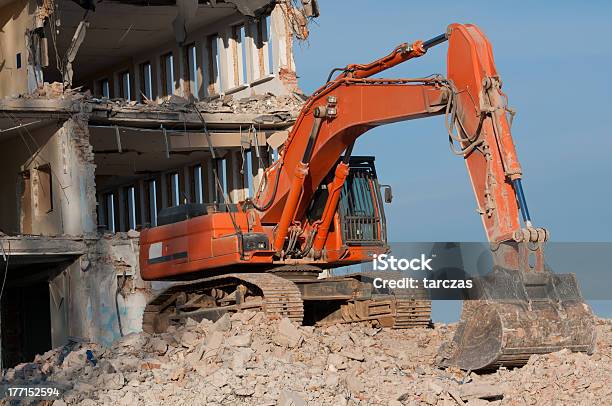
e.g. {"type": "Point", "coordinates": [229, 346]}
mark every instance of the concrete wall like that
{"type": "Point", "coordinates": [15, 19]}
{"type": "Point", "coordinates": [15, 154]}
{"type": "Point", "coordinates": [67, 152]}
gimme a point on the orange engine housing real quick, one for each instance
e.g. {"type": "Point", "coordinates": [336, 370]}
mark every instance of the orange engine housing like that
{"type": "Point", "coordinates": [197, 240]}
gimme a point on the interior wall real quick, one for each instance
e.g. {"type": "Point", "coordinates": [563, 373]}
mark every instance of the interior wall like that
{"type": "Point", "coordinates": [67, 153]}
{"type": "Point", "coordinates": [14, 155]}
{"type": "Point", "coordinates": [15, 19]}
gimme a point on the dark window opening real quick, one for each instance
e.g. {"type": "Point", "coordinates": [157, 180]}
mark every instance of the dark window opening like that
{"type": "Point", "coordinates": [146, 78]}
{"type": "Point", "coordinates": [174, 189]}
{"type": "Point", "coordinates": [132, 207]}
{"type": "Point", "coordinates": [192, 84]}
{"type": "Point", "coordinates": [214, 78]}
{"type": "Point", "coordinates": [125, 85]}
{"type": "Point", "coordinates": [239, 54]}
{"type": "Point", "coordinates": [198, 184]}
{"type": "Point", "coordinates": [104, 88]}
{"type": "Point", "coordinates": [152, 202]}
{"type": "Point", "coordinates": [167, 70]}
{"type": "Point", "coordinates": [111, 212]}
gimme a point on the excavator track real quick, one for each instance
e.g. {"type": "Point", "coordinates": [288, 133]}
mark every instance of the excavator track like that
{"type": "Point", "coordinates": [393, 308]}
{"type": "Point", "coordinates": [284, 297]}
{"type": "Point", "coordinates": [202, 299]}
{"type": "Point", "coordinates": [387, 311]}
{"type": "Point", "coordinates": [411, 306]}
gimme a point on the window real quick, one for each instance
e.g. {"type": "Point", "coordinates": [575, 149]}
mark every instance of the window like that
{"type": "Point", "coordinates": [214, 79]}
{"type": "Point", "coordinates": [198, 184]}
{"type": "Point", "coordinates": [44, 190]}
{"type": "Point", "coordinates": [174, 186]}
{"type": "Point", "coordinates": [268, 40]}
{"type": "Point", "coordinates": [110, 211]}
{"type": "Point", "coordinates": [18, 60]}
{"type": "Point", "coordinates": [221, 173]}
{"type": "Point", "coordinates": [191, 61]}
{"type": "Point", "coordinates": [263, 41]}
{"type": "Point", "coordinates": [132, 207]}
{"type": "Point", "coordinates": [146, 78]}
{"type": "Point", "coordinates": [105, 88]}
{"type": "Point", "coordinates": [167, 68]}
{"type": "Point", "coordinates": [151, 187]}
{"type": "Point", "coordinates": [125, 85]}
{"type": "Point", "coordinates": [240, 56]}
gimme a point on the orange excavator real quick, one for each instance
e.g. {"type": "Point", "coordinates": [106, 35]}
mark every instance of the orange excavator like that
{"type": "Point", "coordinates": [319, 208]}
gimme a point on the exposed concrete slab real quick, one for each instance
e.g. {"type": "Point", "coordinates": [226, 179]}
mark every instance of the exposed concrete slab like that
{"type": "Point", "coordinates": [178, 119]}
{"type": "Point", "coordinates": [41, 105]}
{"type": "Point", "coordinates": [32, 245]}
{"type": "Point", "coordinates": [141, 116]}
{"type": "Point", "coordinates": [35, 258]}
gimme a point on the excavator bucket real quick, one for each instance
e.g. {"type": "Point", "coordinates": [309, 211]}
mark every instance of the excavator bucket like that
{"type": "Point", "coordinates": [511, 315]}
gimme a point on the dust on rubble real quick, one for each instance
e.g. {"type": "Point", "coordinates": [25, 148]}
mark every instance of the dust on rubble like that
{"type": "Point", "coordinates": [250, 359]}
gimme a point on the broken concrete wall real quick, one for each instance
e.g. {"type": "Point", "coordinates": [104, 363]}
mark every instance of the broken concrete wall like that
{"type": "Point", "coordinates": [286, 23]}
{"type": "Point", "coordinates": [16, 19]}
{"type": "Point", "coordinates": [115, 264]}
{"type": "Point", "coordinates": [83, 296]}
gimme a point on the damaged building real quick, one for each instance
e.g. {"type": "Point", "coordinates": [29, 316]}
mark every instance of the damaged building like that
{"type": "Point", "coordinates": [111, 111]}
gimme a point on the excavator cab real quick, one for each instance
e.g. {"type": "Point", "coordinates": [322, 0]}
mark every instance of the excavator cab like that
{"type": "Point", "coordinates": [360, 224]}
{"type": "Point", "coordinates": [362, 216]}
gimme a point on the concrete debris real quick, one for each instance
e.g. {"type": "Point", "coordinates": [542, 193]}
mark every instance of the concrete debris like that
{"type": "Point", "coordinates": [287, 334]}
{"type": "Point", "coordinates": [257, 104]}
{"type": "Point", "coordinates": [250, 359]}
{"type": "Point", "coordinates": [268, 104]}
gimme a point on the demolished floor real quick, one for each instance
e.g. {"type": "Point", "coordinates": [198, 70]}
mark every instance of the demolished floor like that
{"type": "Point", "coordinates": [250, 359]}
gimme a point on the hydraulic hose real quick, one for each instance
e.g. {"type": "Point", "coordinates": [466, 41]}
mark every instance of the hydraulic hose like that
{"type": "Point", "coordinates": [269, 202]}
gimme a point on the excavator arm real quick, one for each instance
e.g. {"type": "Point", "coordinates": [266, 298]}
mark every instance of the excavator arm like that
{"type": "Point", "coordinates": [345, 108]}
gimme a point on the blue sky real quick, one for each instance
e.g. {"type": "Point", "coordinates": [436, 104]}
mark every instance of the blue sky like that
{"type": "Point", "coordinates": [555, 60]}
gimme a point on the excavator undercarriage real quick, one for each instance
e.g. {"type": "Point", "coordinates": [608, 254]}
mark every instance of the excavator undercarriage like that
{"type": "Point", "coordinates": [300, 297]}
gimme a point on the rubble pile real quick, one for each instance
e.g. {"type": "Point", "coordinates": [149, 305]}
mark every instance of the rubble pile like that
{"type": "Point", "coordinates": [263, 104]}
{"type": "Point", "coordinates": [248, 359]}
{"type": "Point", "coordinates": [53, 90]}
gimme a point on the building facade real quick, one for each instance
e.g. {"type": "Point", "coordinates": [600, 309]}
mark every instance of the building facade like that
{"type": "Point", "coordinates": [110, 112]}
